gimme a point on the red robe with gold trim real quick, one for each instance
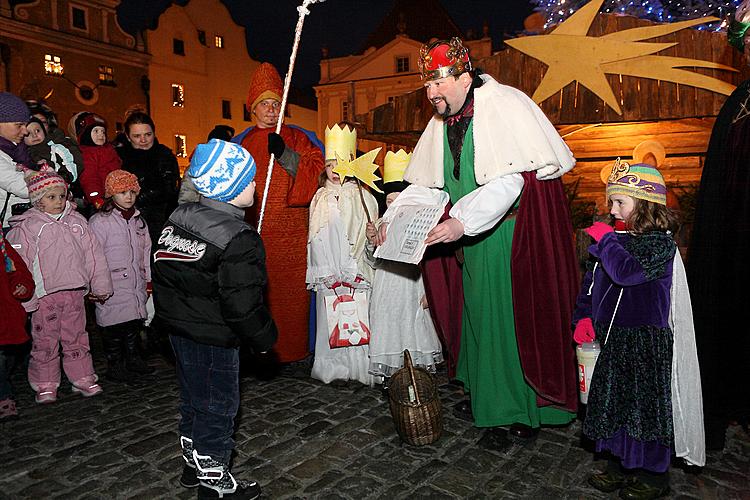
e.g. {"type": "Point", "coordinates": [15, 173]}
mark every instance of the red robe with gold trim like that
{"type": "Point", "coordinates": [284, 233]}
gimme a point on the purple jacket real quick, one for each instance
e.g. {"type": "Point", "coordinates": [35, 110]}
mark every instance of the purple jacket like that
{"type": "Point", "coordinates": [640, 267]}
{"type": "Point", "coordinates": [127, 246]}
{"type": "Point", "coordinates": [62, 254]}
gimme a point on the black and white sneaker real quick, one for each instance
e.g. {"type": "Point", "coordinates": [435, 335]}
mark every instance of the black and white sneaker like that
{"type": "Point", "coordinates": [217, 482]}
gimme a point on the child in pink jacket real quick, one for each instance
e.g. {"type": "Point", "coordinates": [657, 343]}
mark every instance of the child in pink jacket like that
{"type": "Point", "coordinates": [124, 237]}
{"type": "Point", "coordinates": [67, 263]}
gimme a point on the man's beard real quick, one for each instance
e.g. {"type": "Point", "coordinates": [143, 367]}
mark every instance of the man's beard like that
{"type": "Point", "coordinates": [445, 114]}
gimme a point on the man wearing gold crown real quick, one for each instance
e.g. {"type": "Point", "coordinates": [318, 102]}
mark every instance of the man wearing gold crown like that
{"type": "Point", "coordinates": [499, 158]}
{"type": "Point", "coordinates": [717, 272]}
{"type": "Point", "coordinates": [284, 231]}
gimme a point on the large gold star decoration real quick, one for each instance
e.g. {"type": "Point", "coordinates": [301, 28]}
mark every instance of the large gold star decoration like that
{"type": "Point", "coordinates": [573, 56]}
{"type": "Point", "coordinates": [363, 168]}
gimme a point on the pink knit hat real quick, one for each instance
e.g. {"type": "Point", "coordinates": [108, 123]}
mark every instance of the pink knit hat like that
{"type": "Point", "coordinates": [39, 182]}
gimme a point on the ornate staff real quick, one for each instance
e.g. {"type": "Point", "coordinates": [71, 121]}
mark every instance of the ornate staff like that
{"type": "Point", "coordinates": [303, 11]}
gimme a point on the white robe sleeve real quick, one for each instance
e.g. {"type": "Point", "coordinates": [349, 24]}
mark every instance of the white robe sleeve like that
{"type": "Point", "coordinates": [481, 209]}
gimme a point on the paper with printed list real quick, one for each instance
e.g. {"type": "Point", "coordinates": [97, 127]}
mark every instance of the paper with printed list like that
{"type": "Point", "coordinates": [413, 214]}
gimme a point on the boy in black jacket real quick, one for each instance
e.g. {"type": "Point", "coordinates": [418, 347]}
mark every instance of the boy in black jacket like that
{"type": "Point", "coordinates": [209, 277]}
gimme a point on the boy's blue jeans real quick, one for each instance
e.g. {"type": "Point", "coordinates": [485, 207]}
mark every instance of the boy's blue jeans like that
{"type": "Point", "coordinates": [209, 395]}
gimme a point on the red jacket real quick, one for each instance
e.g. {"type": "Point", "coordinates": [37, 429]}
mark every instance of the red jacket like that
{"type": "Point", "coordinates": [13, 324]}
{"type": "Point", "coordinates": [98, 161]}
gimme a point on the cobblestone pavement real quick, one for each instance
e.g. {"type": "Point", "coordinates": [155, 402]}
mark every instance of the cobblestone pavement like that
{"type": "Point", "coordinates": [303, 439]}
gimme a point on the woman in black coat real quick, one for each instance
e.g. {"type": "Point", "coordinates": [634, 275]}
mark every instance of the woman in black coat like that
{"type": "Point", "coordinates": [156, 169]}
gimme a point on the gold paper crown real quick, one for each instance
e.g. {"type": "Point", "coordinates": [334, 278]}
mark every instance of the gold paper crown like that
{"type": "Point", "coordinates": [394, 165]}
{"type": "Point", "coordinates": [341, 142]}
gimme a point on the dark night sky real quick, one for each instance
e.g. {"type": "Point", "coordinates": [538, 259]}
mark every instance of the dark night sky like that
{"type": "Point", "coordinates": [341, 25]}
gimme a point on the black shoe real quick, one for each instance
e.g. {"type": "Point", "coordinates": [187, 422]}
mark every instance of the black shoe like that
{"type": "Point", "coordinates": [522, 432]}
{"type": "Point", "coordinates": [117, 372]}
{"type": "Point", "coordinates": [245, 491]}
{"type": "Point", "coordinates": [609, 481]}
{"type": "Point", "coordinates": [462, 410]}
{"type": "Point", "coordinates": [188, 479]}
{"type": "Point", "coordinates": [639, 490]}
{"type": "Point", "coordinates": [495, 439]}
{"type": "Point", "coordinates": [133, 360]}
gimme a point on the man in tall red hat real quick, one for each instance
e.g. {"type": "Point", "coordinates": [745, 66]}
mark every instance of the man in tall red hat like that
{"type": "Point", "coordinates": [500, 159]}
{"type": "Point", "coordinates": [284, 230]}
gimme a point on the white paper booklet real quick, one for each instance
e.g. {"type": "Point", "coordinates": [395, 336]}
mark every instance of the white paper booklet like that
{"type": "Point", "coordinates": [410, 217]}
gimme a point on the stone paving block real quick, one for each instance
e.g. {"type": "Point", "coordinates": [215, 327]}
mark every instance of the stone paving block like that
{"type": "Point", "coordinates": [360, 439]}
{"type": "Point", "coordinates": [430, 493]}
{"type": "Point", "coordinates": [384, 469]}
{"type": "Point", "coordinates": [348, 425]}
{"type": "Point", "coordinates": [151, 444]}
{"type": "Point", "coordinates": [455, 482]}
{"type": "Point", "coordinates": [324, 484]}
{"type": "Point", "coordinates": [283, 430]}
{"type": "Point", "coordinates": [309, 469]}
{"type": "Point", "coordinates": [426, 471]}
{"type": "Point", "coordinates": [357, 486]}
{"type": "Point", "coordinates": [339, 451]}
{"type": "Point", "coordinates": [314, 429]}
{"type": "Point", "coordinates": [310, 417]}
{"type": "Point", "coordinates": [280, 448]}
{"type": "Point", "coordinates": [280, 488]}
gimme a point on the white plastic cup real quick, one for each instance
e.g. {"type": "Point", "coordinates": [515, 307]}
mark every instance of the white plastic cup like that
{"type": "Point", "coordinates": [587, 353]}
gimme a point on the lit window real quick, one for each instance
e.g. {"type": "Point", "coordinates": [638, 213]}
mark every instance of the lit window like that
{"type": "Point", "coordinates": [106, 76]}
{"type": "Point", "coordinates": [78, 18]}
{"type": "Point", "coordinates": [345, 111]}
{"type": "Point", "coordinates": [402, 64]}
{"type": "Point", "coordinates": [180, 146]}
{"type": "Point", "coordinates": [219, 41]}
{"type": "Point", "coordinates": [178, 47]}
{"type": "Point", "coordinates": [53, 65]}
{"type": "Point", "coordinates": [178, 95]}
{"type": "Point", "coordinates": [226, 109]}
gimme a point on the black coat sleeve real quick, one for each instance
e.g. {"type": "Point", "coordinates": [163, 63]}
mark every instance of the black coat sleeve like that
{"type": "Point", "coordinates": [242, 281]}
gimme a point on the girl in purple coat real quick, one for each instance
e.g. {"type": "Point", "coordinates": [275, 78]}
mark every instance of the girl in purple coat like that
{"type": "Point", "coordinates": [67, 263]}
{"type": "Point", "coordinates": [626, 303]}
{"type": "Point", "coordinates": [124, 236]}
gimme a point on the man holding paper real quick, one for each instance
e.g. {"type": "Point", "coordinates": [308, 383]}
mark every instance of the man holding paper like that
{"type": "Point", "coordinates": [500, 159]}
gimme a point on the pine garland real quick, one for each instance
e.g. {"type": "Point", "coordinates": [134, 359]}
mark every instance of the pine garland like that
{"type": "Point", "coordinates": [556, 11]}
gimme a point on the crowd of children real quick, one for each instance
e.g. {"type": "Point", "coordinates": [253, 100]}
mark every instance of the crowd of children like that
{"type": "Point", "coordinates": [367, 310]}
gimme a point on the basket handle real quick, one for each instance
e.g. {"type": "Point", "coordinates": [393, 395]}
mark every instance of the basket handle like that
{"type": "Point", "coordinates": [410, 366]}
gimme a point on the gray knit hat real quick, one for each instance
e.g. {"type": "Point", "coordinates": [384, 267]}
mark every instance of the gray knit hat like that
{"type": "Point", "coordinates": [13, 109]}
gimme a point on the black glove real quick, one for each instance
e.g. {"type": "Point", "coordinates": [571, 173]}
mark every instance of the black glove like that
{"type": "Point", "coordinates": [276, 145]}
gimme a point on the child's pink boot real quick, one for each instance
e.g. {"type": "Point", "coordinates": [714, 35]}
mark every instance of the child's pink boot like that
{"type": "Point", "coordinates": [87, 386]}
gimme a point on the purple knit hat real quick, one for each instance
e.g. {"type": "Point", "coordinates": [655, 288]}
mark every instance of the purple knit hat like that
{"type": "Point", "coordinates": [13, 109]}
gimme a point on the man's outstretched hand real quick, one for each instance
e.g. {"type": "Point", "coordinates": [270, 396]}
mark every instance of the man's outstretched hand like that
{"type": "Point", "coordinates": [445, 232]}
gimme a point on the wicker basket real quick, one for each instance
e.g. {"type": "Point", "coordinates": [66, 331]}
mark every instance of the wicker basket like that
{"type": "Point", "coordinates": [417, 414]}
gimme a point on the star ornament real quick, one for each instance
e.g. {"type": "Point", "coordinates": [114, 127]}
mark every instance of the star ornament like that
{"type": "Point", "coordinates": [572, 56]}
{"type": "Point", "coordinates": [363, 168]}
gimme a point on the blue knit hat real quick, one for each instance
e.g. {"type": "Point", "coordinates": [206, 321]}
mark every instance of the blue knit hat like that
{"type": "Point", "coordinates": [221, 170]}
{"type": "Point", "coordinates": [13, 109]}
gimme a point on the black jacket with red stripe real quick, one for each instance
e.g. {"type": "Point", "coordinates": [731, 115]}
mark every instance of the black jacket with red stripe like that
{"type": "Point", "coordinates": [209, 277]}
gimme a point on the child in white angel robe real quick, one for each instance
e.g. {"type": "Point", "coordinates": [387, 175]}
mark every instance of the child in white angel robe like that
{"type": "Point", "coordinates": [337, 265]}
{"type": "Point", "coordinates": [398, 307]}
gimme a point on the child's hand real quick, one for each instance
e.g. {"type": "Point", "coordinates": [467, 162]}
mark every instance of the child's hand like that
{"type": "Point", "coordinates": [584, 331]}
{"type": "Point", "coordinates": [598, 229]}
{"type": "Point", "coordinates": [371, 233]}
{"type": "Point", "coordinates": [423, 302]}
{"type": "Point", "coordinates": [380, 234]}
{"type": "Point", "coordinates": [20, 291]}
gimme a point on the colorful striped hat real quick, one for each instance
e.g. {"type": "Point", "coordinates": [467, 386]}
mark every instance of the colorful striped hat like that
{"type": "Point", "coordinates": [39, 182]}
{"type": "Point", "coordinates": [640, 181]}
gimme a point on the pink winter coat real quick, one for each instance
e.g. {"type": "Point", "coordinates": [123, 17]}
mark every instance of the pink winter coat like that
{"type": "Point", "coordinates": [127, 245]}
{"type": "Point", "coordinates": [62, 254]}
